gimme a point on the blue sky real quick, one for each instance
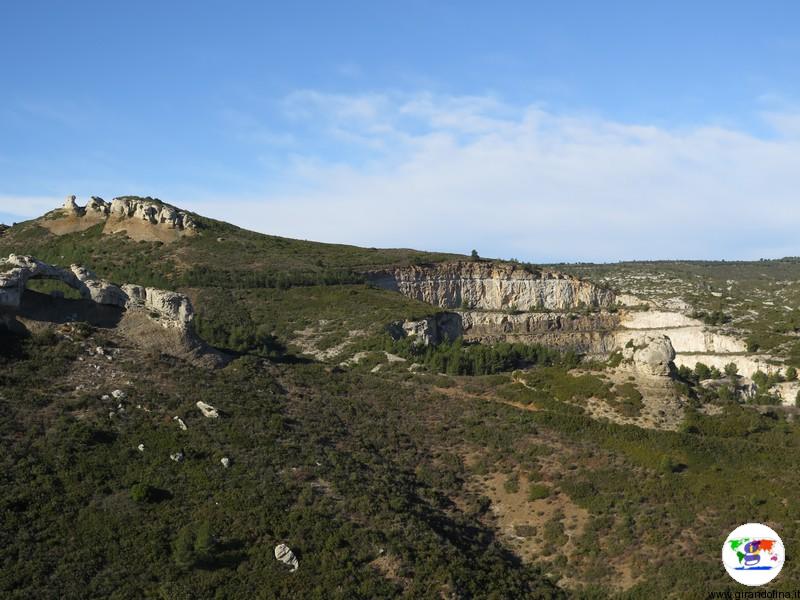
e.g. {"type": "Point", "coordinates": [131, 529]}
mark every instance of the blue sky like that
{"type": "Point", "coordinates": [540, 131]}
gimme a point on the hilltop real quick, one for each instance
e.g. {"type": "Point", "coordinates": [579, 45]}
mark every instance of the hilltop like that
{"type": "Point", "coordinates": [408, 423]}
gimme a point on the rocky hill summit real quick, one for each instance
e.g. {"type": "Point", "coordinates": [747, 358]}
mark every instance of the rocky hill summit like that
{"type": "Point", "coordinates": [490, 285]}
{"type": "Point", "coordinates": [147, 219]}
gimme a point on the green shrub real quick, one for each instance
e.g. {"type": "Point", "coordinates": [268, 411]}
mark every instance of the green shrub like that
{"type": "Point", "coordinates": [511, 484]}
{"type": "Point", "coordinates": [537, 491]}
{"type": "Point", "coordinates": [142, 492]}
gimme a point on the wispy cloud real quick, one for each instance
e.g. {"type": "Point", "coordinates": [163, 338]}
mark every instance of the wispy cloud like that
{"type": "Point", "coordinates": [19, 208]}
{"type": "Point", "coordinates": [460, 172]}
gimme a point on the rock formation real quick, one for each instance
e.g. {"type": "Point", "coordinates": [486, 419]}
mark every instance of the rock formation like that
{"type": "Point", "coordinates": [173, 309]}
{"type": "Point", "coordinates": [139, 307]}
{"type": "Point", "coordinates": [70, 207]}
{"type": "Point", "coordinates": [649, 354]}
{"type": "Point", "coordinates": [433, 330]}
{"type": "Point", "coordinates": [284, 554]}
{"type": "Point", "coordinates": [207, 410]}
{"type": "Point", "coordinates": [140, 218]}
{"type": "Point", "coordinates": [151, 211]}
{"type": "Point", "coordinates": [694, 342]}
{"type": "Point", "coordinates": [15, 271]}
{"type": "Point", "coordinates": [492, 286]}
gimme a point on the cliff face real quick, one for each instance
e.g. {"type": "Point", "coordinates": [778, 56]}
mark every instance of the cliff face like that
{"type": "Point", "coordinates": [592, 334]}
{"type": "Point", "coordinates": [493, 286]}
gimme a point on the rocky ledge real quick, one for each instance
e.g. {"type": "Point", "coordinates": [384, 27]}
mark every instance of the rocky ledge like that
{"type": "Point", "coordinates": [491, 285]}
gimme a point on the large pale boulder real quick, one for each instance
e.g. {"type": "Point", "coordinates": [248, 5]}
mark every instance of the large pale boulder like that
{"type": "Point", "coordinates": [207, 410]}
{"type": "Point", "coordinates": [119, 208]}
{"type": "Point", "coordinates": [649, 354]}
{"type": "Point", "coordinates": [788, 391]}
{"type": "Point", "coordinates": [173, 309]}
{"type": "Point", "coordinates": [284, 554]}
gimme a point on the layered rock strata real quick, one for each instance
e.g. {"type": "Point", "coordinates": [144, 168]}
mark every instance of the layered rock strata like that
{"type": "Point", "coordinates": [492, 286]}
{"type": "Point", "coordinates": [592, 333]}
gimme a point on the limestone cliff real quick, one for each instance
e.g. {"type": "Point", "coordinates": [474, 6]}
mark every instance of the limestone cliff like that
{"type": "Point", "coordinates": [492, 286]}
{"type": "Point", "coordinates": [592, 334]}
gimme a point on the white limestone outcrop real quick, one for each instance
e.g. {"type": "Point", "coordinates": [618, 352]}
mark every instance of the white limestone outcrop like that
{"type": "Point", "coordinates": [172, 308]}
{"type": "Point", "coordinates": [207, 410]}
{"type": "Point", "coordinates": [142, 210]}
{"type": "Point", "coordinates": [492, 286]}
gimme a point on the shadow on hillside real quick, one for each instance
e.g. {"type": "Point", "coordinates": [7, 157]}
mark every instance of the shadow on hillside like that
{"type": "Point", "coordinates": [227, 555]}
{"type": "Point", "coordinates": [12, 334]}
{"type": "Point", "coordinates": [46, 308]}
{"type": "Point", "coordinates": [283, 358]}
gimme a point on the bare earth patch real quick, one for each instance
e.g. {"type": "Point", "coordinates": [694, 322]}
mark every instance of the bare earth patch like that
{"type": "Point", "coordinates": [662, 405]}
{"type": "Point", "coordinates": [307, 340]}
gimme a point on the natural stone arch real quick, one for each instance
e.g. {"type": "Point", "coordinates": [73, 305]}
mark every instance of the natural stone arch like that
{"type": "Point", "coordinates": [173, 309]}
{"type": "Point", "coordinates": [18, 270]}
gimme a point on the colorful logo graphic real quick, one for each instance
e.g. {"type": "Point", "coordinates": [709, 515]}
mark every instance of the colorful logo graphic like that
{"type": "Point", "coordinates": [753, 554]}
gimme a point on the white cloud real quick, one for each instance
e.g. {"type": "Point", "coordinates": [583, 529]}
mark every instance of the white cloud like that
{"type": "Point", "coordinates": [25, 207]}
{"type": "Point", "coordinates": [459, 172]}
{"type": "Point", "coordinates": [456, 173]}
{"type": "Point", "coordinates": [785, 123]}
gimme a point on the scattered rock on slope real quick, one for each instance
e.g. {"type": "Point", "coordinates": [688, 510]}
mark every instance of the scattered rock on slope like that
{"type": "Point", "coordinates": [207, 410]}
{"type": "Point", "coordinates": [284, 554]}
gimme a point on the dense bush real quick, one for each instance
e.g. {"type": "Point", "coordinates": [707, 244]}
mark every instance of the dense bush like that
{"type": "Point", "coordinates": [459, 358]}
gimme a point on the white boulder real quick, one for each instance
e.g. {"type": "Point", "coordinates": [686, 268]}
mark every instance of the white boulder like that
{"type": "Point", "coordinates": [207, 410]}
{"type": "Point", "coordinates": [649, 354]}
{"type": "Point", "coordinates": [284, 554]}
